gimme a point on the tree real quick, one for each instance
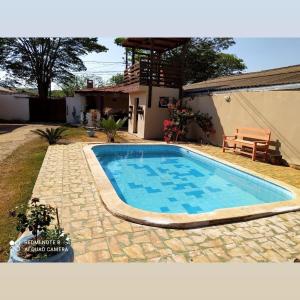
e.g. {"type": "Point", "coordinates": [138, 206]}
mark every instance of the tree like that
{"type": "Point", "coordinates": [40, 61]}
{"type": "Point", "coordinates": [116, 79]}
{"type": "Point", "coordinates": [204, 59]}
{"type": "Point", "coordinates": [138, 52]}
{"type": "Point", "coordinates": [79, 82]}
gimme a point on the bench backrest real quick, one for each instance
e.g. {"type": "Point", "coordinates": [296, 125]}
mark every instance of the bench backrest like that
{"type": "Point", "coordinates": [259, 134]}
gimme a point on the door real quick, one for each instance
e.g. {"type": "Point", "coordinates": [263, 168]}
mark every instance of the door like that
{"type": "Point", "coordinates": [135, 115]}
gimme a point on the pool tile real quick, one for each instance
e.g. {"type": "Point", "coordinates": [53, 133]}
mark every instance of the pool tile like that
{"type": "Point", "coordinates": [132, 185]}
{"type": "Point", "coordinates": [152, 190]}
{"type": "Point", "coordinates": [164, 209]}
{"type": "Point", "coordinates": [172, 199]}
{"type": "Point", "coordinates": [195, 173]}
{"type": "Point", "coordinates": [150, 172]}
{"type": "Point", "coordinates": [170, 161]}
{"type": "Point", "coordinates": [212, 189]}
{"type": "Point", "coordinates": [162, 170]}
{"type": "Point", "coordinates": [182, 186]}
{"type": "Point", "coordinates": [197, 194]}
{"type": "Point", "coordinates": [191, 209]}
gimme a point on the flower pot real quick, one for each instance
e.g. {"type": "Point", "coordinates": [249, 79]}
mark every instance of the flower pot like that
{"type": "Point", "coordinates": [64, 256]}
{"type": "Point", "coordinates": [90, 132]}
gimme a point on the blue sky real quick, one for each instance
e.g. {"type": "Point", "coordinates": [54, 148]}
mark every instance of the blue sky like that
{"type": "Point", "coordinates": [267, 53]}
{"type": "Point", "coordinates": [257, 53]}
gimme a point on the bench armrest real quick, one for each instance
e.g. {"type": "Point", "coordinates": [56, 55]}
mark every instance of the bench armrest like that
{"type": "Point", "coordinates": [260, 142]}
{"type": "Point", "coordinates": [229, 137]}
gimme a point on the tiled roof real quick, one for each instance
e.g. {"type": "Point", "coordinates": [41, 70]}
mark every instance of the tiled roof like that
{"type": "Point", "coordinates": [278, 76]}
{"type": "Point", "coordinates": [6, 91]}
{"type": "Point", "coordinates": [105, 89]}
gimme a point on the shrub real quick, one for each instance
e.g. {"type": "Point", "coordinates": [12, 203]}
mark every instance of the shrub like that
{"type": "Point", "coordinates": [176, 127]}
{"type": "Point", "coordinates": [51, 135]}
{"type": "Point", "coordinates": [110, 127]}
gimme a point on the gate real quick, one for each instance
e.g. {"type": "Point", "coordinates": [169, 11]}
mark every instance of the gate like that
{"type": "Point", "coordinates": [51, 110]}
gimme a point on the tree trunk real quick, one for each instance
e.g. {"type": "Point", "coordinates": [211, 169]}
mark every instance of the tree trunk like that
{"type": "Point", "coordinates": [43, 89]}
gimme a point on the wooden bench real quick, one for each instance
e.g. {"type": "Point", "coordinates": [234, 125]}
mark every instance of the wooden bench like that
{"type": "Point", "coordinates": [249, 141]}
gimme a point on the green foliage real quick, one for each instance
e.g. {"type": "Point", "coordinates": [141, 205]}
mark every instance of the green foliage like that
{"type": "Point", "coordinates": [47, 241]}
{"type": "Point", "coordinates": [204, 59]}
{"type": "Point", "coordinates": [40, 61]}
{"type": "Point", "coordinates": [116, 79]}
{"type": "Point", "coordinates": [37, 218]}
{"type": "Point", "coordinates": [138, 52]}
{"type": "Point", "coordinates": [58, 94]}
{"type": "Point", "coordinates": [110, 127]}
{"type": "Point", "coordinates": [204, 121]}
{"type": "Point", "coordinates": [79, 82]}
{"type": "Point", "coordinates": [51, 135]}
{"type": "Point", "coordinates": [181, 115]}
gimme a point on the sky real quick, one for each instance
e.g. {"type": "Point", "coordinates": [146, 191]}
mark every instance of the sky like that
{"type": "Point", "coordinates": [267, 53]}
{"type": "Point", "coordinates": [257, 53]}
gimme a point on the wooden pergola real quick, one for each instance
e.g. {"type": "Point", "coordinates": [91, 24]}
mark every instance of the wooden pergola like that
{"type": "Point", "coordinates": [156, 47]}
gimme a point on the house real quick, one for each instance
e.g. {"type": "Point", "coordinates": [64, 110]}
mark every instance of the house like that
{"type": "Point", "coordinates": [103, 100]}
{"type": "Point", "coordinates": [5, 91]}
{"type": "Point", "coordinates": [265, 99]}
{"type": "Point", "coordinates": [151, 83]}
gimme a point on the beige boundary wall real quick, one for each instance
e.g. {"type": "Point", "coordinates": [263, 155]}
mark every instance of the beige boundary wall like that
{"type": "Point", "coordinates": [14, 107]}
{"type": "Point", "coordinates": [150, 125]}
{"type": "Point", "coordinates": [277, 110]}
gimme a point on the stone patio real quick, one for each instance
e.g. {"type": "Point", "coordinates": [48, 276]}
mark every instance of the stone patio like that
{"type": "Point", "coordinates": [97, 236]}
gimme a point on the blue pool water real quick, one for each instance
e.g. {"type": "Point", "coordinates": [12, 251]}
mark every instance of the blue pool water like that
{"type": "Point", "coordinates": [171, 179]}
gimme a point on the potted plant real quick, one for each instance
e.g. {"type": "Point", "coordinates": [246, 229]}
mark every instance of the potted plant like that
{"type": "Point", "coordinates": [110, 127]}
{"type": "Point", "coordinates": [90, 131]}
{"type": "Point", "coordinates": [45, 243]}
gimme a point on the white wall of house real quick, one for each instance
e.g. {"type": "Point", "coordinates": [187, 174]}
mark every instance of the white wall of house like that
{"type": "Point", "coordinates": [14, 107]}
{"type": "Point", "coordinates": [150, 125]}
{"type": "Point", "coordinates": [74, 105]}
{"type": "Point", "coordinates": [142, 95]}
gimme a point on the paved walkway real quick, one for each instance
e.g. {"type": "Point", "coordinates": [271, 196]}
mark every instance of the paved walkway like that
{"type": "Point", "coordinates": [97, 236]}
{"type": "Point", "coordinates": [14, 136]}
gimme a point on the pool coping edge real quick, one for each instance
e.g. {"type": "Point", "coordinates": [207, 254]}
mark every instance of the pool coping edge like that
{"type": "Point", "coordinates": [117, 207]}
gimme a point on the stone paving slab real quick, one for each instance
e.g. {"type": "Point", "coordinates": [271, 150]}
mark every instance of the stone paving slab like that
{"type": "Point", "coordinates": [13, 139]}
{"type": "Point", "coordinates": [97, 236]}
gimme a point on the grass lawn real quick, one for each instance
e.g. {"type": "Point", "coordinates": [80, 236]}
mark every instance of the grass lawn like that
{"type": "Point", "coordinates": [17, 178]}
{"type": "Point", "coordinates": [78, 134]}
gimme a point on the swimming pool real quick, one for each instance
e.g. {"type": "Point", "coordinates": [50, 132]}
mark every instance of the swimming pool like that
{"type": "Point", "coordinates": [174, 181]}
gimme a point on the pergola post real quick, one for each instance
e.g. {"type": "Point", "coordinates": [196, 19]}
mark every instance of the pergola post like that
{"type": "Point", "coordinates": [133, 56]}
{"type": "Point", "coordinates": [182, 68]}
{"type": "Point", "coordinates": [126, 57]}
{"type": "Point", "coordinates": [150, 79]}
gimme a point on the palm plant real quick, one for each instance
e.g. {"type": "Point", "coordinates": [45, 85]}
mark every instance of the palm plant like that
{"type": "Point", "coordinates": [51, 135]}
{"type": "Point", "coordinates": [110, 127]}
